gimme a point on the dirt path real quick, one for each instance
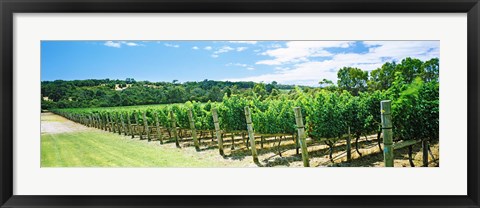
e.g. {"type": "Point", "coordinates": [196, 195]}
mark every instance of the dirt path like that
{"type": "Point", "coordinates": [54, 124]}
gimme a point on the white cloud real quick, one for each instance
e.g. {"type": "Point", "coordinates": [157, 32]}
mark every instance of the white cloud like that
{"type": "Point", "coordinates": [301, 51]}
{"type": "Point", "coordinates": [311, 71]}
{"type": "Point", "coordinates": [171, 45]}
{"type": "Point", "coordinates": [241, 48]}
{"type": "Point", "coordinates": [275, 45]}
{"type": "Point", "coordinates": [223, 49]}
{"type": "Point", "coordinates": [131, 44]}
{"type": "Point", "coordinates": [400, 49]}
{"type": "Point", "coordinates": [246, 42]}
{"type": "Point", "coordinates": [208, 48]}
{"type": "Point", "coordinates": [236, 64]}
{"type": "Point", "coordinates": [113, 44]}
{"type": "Point", "coordinates": [118, 44]}
{"type": "Point", "coordinates": [246, 66]}
{"type": "Point", "coordinates": [195, 48]}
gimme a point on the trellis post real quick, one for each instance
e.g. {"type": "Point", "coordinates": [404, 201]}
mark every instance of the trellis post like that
{"type": "Point", "coordinates": [301, 135]}
{"type": "Point", "coordinates": [425, 153]}
{"type": "Point", "coordinates": [109, 124]}
{"type": "Point", "coordinates": [174, 128]}
{"type": "Point", "coordinates": [385, 110]}
{"type": "Point", "coordinates": [251, 135]}
{"type": "Point", "coordinates": [194, 131]}
{"type": "Point", "coordinates": [123, 124]}
{"type": "Point", "coordinates": [129, 123]}
{"type": "Point", "coordinates": [145, 123]}
{"type": "Point", "coordinates": [117, 120]}
{"type": "Point", "coordinates": [217, 131]}
{"type": "Point", "coordinates": [349, 146]}
{"type": "Point", "coordinates": [159, 131]}
{"type": "Point", "coordinates": [137, 125]}
{"type": "Point", "coordinates": [114, 130]}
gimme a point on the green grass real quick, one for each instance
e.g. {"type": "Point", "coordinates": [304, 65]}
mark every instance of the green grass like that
{"type": "Point", "coordinates": [102, 149]}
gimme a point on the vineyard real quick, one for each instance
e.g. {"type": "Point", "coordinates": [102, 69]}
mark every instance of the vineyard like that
{"type": "Point", "coordinates": [285, 122]}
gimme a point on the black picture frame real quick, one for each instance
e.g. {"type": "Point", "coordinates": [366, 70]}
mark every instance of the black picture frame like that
{"type": "Point", "coordinates": [9, 7]}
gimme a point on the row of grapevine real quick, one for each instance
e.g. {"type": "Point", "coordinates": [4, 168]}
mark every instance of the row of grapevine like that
{"type": "Point", "coordinates": [329, 116]}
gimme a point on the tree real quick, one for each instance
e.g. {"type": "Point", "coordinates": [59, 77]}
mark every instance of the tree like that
{"type": "Point", "coordinates": [215, 94]}
{"type": "Point", "coordinates": [431, 70]}
{"type": "Point", "coordinates": [327, 84]}
{"type": "Point", "coordinates": [410, 69]}
{"type": "Point", "coordinates": [260, 89]}
{"type": "Point", "coordinates": [353, 80]}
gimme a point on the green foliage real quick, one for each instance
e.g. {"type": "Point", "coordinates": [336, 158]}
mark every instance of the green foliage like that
{"type": "Point", "coordinates": [328, 111]}
{"type": "Point", "coordinates": [231, 113]}
{"type": "Point", "coordinates": [277, 117]}
{"type": "Point", "coordinates": [353, 80]}
{"type": "Point", "coordinates": [324, 119]}
{"type": "Point", "coordinates": [109, 93]}
{"type": "Point", "coordinates": [415, 109]}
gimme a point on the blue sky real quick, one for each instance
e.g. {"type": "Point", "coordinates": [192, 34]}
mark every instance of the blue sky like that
{"type": "Point", "coordinates": [287, 62]}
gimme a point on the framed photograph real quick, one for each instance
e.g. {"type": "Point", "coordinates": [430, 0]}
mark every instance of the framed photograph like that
{"type": "Point", "coordinates": [247, 104]}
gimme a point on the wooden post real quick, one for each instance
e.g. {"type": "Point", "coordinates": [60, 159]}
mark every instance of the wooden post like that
{"type": "Point", "coordinates": [97, 121]}
{"type": "Point", "coordinates": [425, 152]}
{"type": "Point", "coordinates": [251, 134]}
{"type": "Point", "coordinates": [130, 127]}
{"type": "Point", "coordinates": [145, 122]}
{"type": "Point", "coordinates": [297, 146]}
{"type": "Point", "coordinates": [119, 124]}
{"type": "Point", "coordinates": [89, 121]}
{"type": "Point", "coordinates": [194, 131]}
{"type": "Point", "coordinates": [261, 142]}
{"type": "Point", "coordinates": [217, 131]}
{"type": "Point", "coordinates": [89, 124]}
{"type": "Point", "coordinates": [114, 128]}
{"type": "Point", "coordinates": [123, 124]}
{"type": "Point", "coordinates": [94, 121]}
{"type": "Point", "coordinates": [102, 122]}
{"type": "Point", "coordinates": [349, 146]}
{"type": "Point", "coordinates": [109, 127]}
{"type": "Point", "coordinates": [245, 140]}
{"type": "Point", "coordinates": [112, 119]}
{"type": "Point", "coordinates": [385, 109]}
{"type": "Point", "coordinates": [174, 128]}
{"type": "Point", "coordinates": [117, 120]}
{"type": "Point", "coordinates": [233, 141]}
{"type": "Point", "coordinates": [159, 131]}
{"type": "Point", "coordinates": [105, 124]}
{"type": "Point", "coordinates": [137, 126]}
{"type": "Point", "coordinates": [301, 135]}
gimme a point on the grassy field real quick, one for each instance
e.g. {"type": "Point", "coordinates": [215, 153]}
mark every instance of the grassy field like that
{"type": "Point", "coordinates": [95, 149]}
{"type": "Point", "coordinates": [67, 144]}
